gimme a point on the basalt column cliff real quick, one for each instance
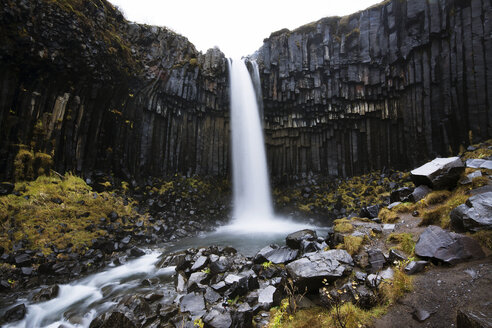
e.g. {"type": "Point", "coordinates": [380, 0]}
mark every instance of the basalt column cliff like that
{"type": "Point", "coordinates": [388, 86]}
{"type": "Point", "coordinates": [391, 86]}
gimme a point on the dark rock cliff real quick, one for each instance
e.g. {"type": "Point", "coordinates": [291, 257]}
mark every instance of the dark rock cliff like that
{"type": "Point", "coordinates": [392, 85]}
{"type": "Point", "coordinates": [96, 92]}
{"type": "Point", "coordinates": [389, 86]}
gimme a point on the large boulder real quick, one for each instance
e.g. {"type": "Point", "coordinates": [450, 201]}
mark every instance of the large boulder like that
{"type": "Point", "coordinates": [441, 173]}
{"type": "Point", "coordinates": [309, 271]}
{"type": "Point", "coordinates": [474, 215]}
{"type": "Point", "coordinates": [437, 244]}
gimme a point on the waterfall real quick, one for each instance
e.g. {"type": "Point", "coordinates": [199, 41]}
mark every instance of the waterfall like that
{"type": "Point", "coordinates": [252, 199]}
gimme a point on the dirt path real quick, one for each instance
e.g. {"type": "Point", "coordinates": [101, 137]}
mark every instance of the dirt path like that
{"type": "Point", "coordinates": [442, 291]}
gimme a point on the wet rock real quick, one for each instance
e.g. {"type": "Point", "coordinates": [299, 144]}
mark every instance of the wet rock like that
{"type": "Point", "coordinates": [27, 271]}
{"type": "Point", "coordinates": [218, 318]}
{"type": "Point", "coordinates": [193, 303]}
{"type": "Point", "coordinates": [6, 188]}
{"type": "Point", "coordinates": [219, 266]}
{"type": "Point", "coordinates": [309, 271]}
{"type": "Point", "coordinates": [419, 193]}
{"type": "Point", "coordinates": [276, 254]}
{"type": "Point", "coordinates": [467, 318]}
{"type": "Point", "coordinates": [474, 215]}
{"type": "Point", "coordinates": [196, 281]}
{"type": "Point", "coordinates": [243, 316]}
{"type": "Point", "coordinates": [437, 244]}
{"type": "Point", "coordinates": [135, 252]}
{"type": "Point", "coordinates": [469, 178]}
{"type": "Point", "coordinates": [294, 239]}
{"type": "Point", "coordinates": [167, 312]}
{"type": "Point", "coordinates": [180, 283]}
{"type": "Point", "coordinates": [269, 296]}
{"type": "Point", "coordinates": [441, 173]}
{"type": "Point", "coordinates": [16, 313]}
{"type": "Point", "coordinates": [152, 297]}
{"type": "Point", "coordinates": [113, 319]}
{"type": "Point", "coordinates": [220, 287]}
{"type": "Point", "coordinates": [415, 267]}
{"type": "Point", "coordinates": [199, 263]}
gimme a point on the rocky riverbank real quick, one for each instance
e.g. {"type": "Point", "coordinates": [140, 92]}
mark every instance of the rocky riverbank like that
{"type": "Point", "coordinates": [354, 272]}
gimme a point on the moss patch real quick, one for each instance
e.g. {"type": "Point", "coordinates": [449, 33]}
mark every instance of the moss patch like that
{"type": "Point", "coordinates": [403, 241]}
{"type": "Point", "coordinates": [351, 244]}
{"type": "Point", "coordinates": [388, 216]}
{"type": "Point", "coordinates": [343, 226]}
{"type": "Point", "coordinates": [57, 211]}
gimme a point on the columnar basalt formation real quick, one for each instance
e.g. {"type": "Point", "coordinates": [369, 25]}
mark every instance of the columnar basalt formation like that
{"type": "Point", "coordinates": [99, 93]}
{"type": "Point", "coordinates": [392, 85]}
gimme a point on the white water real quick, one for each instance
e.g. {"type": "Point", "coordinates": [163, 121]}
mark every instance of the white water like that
{"type": "Point", "coordinates": [253, 210]}
{"type": "Point", "coordinates": [91, 295]}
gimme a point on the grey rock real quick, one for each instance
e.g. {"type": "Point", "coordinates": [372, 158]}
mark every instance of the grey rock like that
{"type": "Point", "coordinates": [376, 260]}
{"type": "Point", "coordinates": [211, 296]}
{"type": "Point", "coordinates": [400, 195]}
{"type": "Point", "coordinates": [294, 239]}
{"type": "Point", "coordinates": [193, 303]}
{"type": "Point", "coordinates": [441, 173]}
{"type": "Point", "coordinates": [309, 271]}
{"type": "Point", "coordinates": [276, 254]}
{"type": "Point", "coordinates": [437, 244]}
{"type": "Point", "coordinates": [269, 296]}
{"type": "Point", "coordinates": [471, 318]}
{"type": "Point", "coordinates": [415, 267]}
{"type": "Point", "coordinates": [218, 318]}
{"type": "Point", "coordinates": [15, 313]}
{"type": "Point", "coordinates": [475, 215]}
{"type": "Point", "coordinates": [421, 315]}
{"type": "Point", "coordinates": [419, 193]}
{"type": "Point", "coordinates": [196, 281]}
{"type": "Point", "coordinates": [474, 163]}
{"type": "Point", "coordinates": [199, 263]}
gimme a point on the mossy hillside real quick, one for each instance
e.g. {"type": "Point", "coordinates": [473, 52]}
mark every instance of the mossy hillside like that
{"type": "Point", "coordinates": [351, 194]}
{"type": "Point", "coordinates": [58, 211]}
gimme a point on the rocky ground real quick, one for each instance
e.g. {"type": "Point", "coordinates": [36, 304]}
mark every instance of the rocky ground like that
{"type": "Point", "coordinates": [395, 253]}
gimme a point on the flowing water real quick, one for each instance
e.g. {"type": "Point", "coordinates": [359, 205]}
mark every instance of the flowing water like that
{"type": "Point", "coordinates": [254, 226]}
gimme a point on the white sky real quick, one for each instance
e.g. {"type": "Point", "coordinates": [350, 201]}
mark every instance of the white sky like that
{"type": "Point", "coordinates": [237, 28]}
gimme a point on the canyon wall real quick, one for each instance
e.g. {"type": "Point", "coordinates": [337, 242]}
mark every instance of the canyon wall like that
{"type": "Point", "coordinates": [390, 86]}
{"type": "Point", "coordinates": [97, 93]}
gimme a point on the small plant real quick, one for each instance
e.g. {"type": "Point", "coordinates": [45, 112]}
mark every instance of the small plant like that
{"type": "Point", "coordinates": [404, 242]}
{"type": "Point", "coordinates": [198, 323]}
{"type": "Point", "coordinates": [281, 315]}
{"type": "Point", "coordinates": [267, 265]}
{"type": "Point", "coordinates": [233, 301]}
{"type": "Point", "coordinates": [206, 270]}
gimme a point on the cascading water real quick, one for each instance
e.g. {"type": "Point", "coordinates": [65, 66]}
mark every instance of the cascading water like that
{"type": "Point", "coordinates": [252, 200]}
{"type": "Point", "coordinates": [253, 210]}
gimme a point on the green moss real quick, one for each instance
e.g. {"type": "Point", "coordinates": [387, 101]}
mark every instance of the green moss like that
{"type": "Point", "coordinates": [23, 164]}
{"type": "Point", "coordinates": [484, 237]}
{"type": "Point", "coordinates": [56, 211]}
{"type": "Point", "coordinates": [388, 216]}
{"type": "Point", "coordinates": [343, 226]}
{"type": "Point", "coordinates": [404, 242]}
{"type": "Point", "coordinates": [436, 197]}
{"type": "Point", "coordinates": [351, 244]}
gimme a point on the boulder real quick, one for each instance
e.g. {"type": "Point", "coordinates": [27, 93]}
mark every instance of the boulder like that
{"type": "Point", "coordinates": [276, 254]}
{"type": "Point", "coordinates": [46, 294]}
{"type": "Point", "coordinates": [473, 319]}
{"type": "Point", "coordinates": [243, 316]}
{"type": "Point", "coordinates": [441, 173]}
{"type": "Point", "coordinates": [370, 212]}
{"type": "Point", "coordinates": [294, 239]}
{"type": "Point", "coordinates": [440, 245]}
{"type": "Point", "coordinates": [309, 271]}
{"type": "Point", "coordinates": [474, 215]}
{"type": "Point", "coordinates": [199, 263]}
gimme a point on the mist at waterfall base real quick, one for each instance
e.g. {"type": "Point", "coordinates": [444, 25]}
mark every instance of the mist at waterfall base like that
{"type": "Point", "coordinates": [253, 209]}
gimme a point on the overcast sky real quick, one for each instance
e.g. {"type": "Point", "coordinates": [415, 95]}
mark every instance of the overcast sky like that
{"type": "Point", "coordinates": [237, 28]}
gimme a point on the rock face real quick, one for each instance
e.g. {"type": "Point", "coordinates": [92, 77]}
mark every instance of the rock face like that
{"type": "Point", "coordinates": [437, 244]}
{"type": "Point", "coordinates": [441, 173]}
{"type": "Point", "coordinates": [388, 86]}
{"type": "Point", "coordinates": [397, 76]}
{"type": "Point", "coordinates": [475, 215]}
